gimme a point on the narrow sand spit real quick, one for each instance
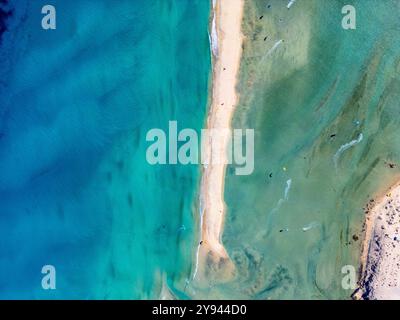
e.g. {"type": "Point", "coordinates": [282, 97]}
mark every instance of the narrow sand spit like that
{"type": "Point", "coordinates": [212, 259]}
{"type": "Point", "coordinates": [380, 260]}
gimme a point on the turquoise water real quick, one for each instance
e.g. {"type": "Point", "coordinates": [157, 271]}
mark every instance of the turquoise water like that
{"type": "Point", "coordinates": [76, 191]}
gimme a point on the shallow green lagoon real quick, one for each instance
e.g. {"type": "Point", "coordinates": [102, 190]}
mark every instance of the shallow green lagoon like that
{"type": "Point", "coordinates": [324, 103]}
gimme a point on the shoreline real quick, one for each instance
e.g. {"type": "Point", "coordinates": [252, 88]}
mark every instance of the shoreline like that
{"type": "Point", "coordinates": [380, 256]}
{"type": "Point", "coordinates": [211, 254]}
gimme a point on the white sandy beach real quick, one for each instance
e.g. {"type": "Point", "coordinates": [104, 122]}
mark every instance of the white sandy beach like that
{"type": "Point", "coordinates": [226, 61]}
{"type": "Point", "coordinates": [380, 261]}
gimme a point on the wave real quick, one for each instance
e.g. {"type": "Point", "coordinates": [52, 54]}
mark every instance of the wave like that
{"type": "Point", "coordinates": [276, 45]}
{"type": "Point", "coordinates": [290, 3]}
{"type": "Point", "coordinates": [310, 226]}
{"type": "Point", "coordinates": [287, 189]}
{"type": "Point", "coordinates": [346, 146]}
{"type": "Point", "coordinates": [285, 197]}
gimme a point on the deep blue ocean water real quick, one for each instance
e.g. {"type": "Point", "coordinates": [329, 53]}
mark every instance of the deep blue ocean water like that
{"type": "Point", "coordinates": [76, 191]}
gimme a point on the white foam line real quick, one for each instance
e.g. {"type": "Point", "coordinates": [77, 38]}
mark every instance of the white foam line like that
{"type": "Point", "coordinates": [288, 184]}
{"type": "Point", "coordinates": [291, 3]}
{"type": "Point", "coordinates": [285, 198]}
{"type": "Point", "coordinates": [346, 146]}
{"type": "Point", "coordinates": [310, 226]}
{"type": "Point", "coordinates": [276, 45]}
{"type": "Point", "coordinates": [196, 267]}
{"type": "Point", "coordinates": [214, 34]}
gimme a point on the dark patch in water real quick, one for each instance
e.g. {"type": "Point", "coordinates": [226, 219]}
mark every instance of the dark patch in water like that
{"type": "Point", "coordinates": [60, 212]}
{"type": "Point", "coordinates": [4, 15]}
{"type": "Point", "coordinates": [120, 165]}
{"type": "Point", "coordinates": [130, 199]}
{"type": "Point", "coordinates": [279, 281]}
{"type": "Point", "coordinates": [109, 177]}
